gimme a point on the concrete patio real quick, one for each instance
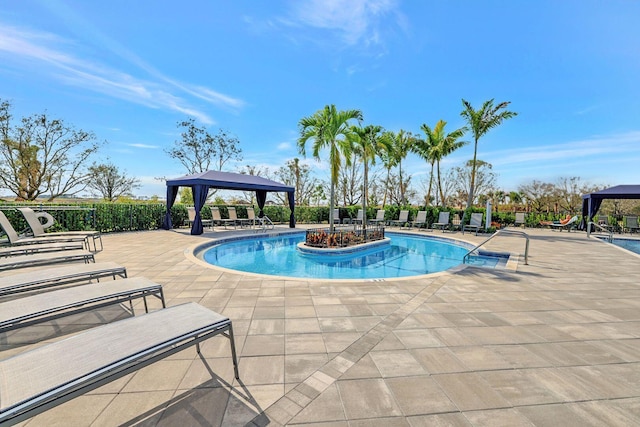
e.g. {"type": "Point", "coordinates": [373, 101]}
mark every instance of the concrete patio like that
{"type": "Point", "coordinates": [555, 342]}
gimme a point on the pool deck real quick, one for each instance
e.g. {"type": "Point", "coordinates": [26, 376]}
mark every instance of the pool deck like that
{"type": "Point", "coordinates": [554, 342]}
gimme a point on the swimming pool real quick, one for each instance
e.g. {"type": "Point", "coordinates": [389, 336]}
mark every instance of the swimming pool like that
{"type": "Point", "coordinates": [405, 256]}
{"type": "Point", "coordinates": [628, 244]}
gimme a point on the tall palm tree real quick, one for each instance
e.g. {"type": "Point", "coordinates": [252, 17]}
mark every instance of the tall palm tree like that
{"type": "Point", "coordinates": [402, 142]}
{"type": "Point", "coordinates": [480, 122]}
{"type": "Point", "coordinates": [426, 148]}
{"type": "Point", "coordinates": [436, 146]}
{"type": "Point", "coordinates": [367, 144]}
{"type": "Point", "coordinates": [326, 127]}
{"type": "Point", "coordinates": [389, 161]}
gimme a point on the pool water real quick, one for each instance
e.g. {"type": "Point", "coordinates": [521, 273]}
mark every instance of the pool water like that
{"type": "Point", "coordinates": [405, 256]}
{"type": "Point", "coordinates": [628, 244]}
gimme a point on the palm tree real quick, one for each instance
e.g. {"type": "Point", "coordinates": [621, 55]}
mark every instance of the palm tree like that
{"type": "Point", "coordinates": [426, 148]}
{"type": "Point", "coordinates": [325, 127]}
{"type": "Point", "coordinates": [389, 161]}
{"type": "Point", "coordinates": [480, 122]}
{"type": "Point", "coordinates": [401, 142]}
{"type": "Point", "coordinates": [367, 143]}
{"type": "Point", "coordinates": [436, 146]}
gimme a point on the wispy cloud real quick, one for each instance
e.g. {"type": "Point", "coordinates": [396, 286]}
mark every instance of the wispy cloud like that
{"type": "Point", "coordinates": [354, 22]}
{"type": "Point", "coordinates": [143, 146]}
{"type": "Point", "coordinates": [284, 146]}
{"type": "Point", "coordinates": [26, 48]}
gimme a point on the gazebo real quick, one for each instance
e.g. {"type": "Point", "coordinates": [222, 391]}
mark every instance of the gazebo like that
{"type": "Point", "coordinates": [201, 182]}
{"type": "Point", "coordinates": [591, 202]}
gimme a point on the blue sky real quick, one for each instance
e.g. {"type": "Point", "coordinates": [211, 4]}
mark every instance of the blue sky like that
{"type": "Point", "coordinates": [129, 71]}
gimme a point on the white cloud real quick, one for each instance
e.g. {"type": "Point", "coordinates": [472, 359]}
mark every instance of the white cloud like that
{"type": "Point", "coordinates": [25, 48]}
{"type": "Point", "coordinates": [355, 22]}
{"type": "Point", "coordinates": [284, 146]}
{"type": "Point", "coordinates": [143, 146]}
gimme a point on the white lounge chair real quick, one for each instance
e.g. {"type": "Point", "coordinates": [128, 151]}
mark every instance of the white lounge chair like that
{"type": "Point", "coordinates": [379, 217]}
{"type": "Point", "coordinates": [443, 221]}
{"type": "Point", "coordinates": [47, 376]}
{"type": "Point", "coordinates": [14, 240]}
{"type": "Point", "coordinates": [564, 225]}
{"type": "Point", "coordinates": [36, 260]}
{"type": "Point", "coordinates": [520, 219]}
{"type": "Point", "coordinates": [249, 220]}
{"type": "Point", "coordinates": [336, 216]}
{"type": "Point", "coordinates": [58, 276]}
{"type": "Point", "coordinates": [37, 249]}
{"type": "Point", "coordinates": [403, 218]}
{"type": "Point", "coordinates": [420, 220]}
{"type": "Point", "coordinates": [38, 230]}
{"type": "Point", "coordinates": [474, 224]}
{"type": "Point", "coordinates": [46, 306]}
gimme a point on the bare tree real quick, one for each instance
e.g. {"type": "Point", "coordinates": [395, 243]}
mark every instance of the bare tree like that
{"type": "Point", "coordinates": [485, 178]}
{"type": "Point", "coordinates": [350, 183]}
{"type": "Point", "coordinates": [539, 195]}
{"type": "Point", "coordinates": [298, 175]}
{"type": "Point", "coordinates": [199, 151]}
{"type": "Point", "coordinates": [109, 182]}
{"type": "Point", "coordinates": [570, 191]}
{"type": "Point", "coordinates": [43, 156]}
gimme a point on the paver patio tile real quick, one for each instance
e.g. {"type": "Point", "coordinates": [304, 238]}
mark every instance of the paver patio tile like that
{"type": "Point", "coordinates": [469, 391]}
{"type": "Point", "coordinates": [419, 395]}
{"type": "Point", "coordinates": [367, 398]}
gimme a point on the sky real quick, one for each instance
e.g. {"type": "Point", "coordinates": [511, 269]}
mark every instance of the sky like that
{"type": "Point", "coordinates": [130, 71]}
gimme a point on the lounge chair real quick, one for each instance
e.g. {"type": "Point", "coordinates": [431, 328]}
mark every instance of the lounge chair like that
{"type": "Point", "coordinates": [14, 240]}
{"type": "Point", "coordinates": [53, 305]}
{"type": "Point", "coordinates": [58, 276]}
{"type": "Point", "coordinates": [47, 376]}
{"type": "Point", "coordinates": [456, 223]}
{"type": "Point", "coordinates": [403, 218]}
{"type": "Point", "coordinates": [33, 249]}
{"type": "Point", "coordinates": [233, 217]}
{"type": "Point", "coordinates": [249, 221]}
{"type": "Point", "coordinates": [630, 224]}
{"type": "Point", "coordinates": [38, 230]}
{"type": "Point", "coordinates": [562, 225]}
{"type": "Point", "coordinates": [475, 223]}
{"type": "Point", "coordinates": [336, 216]}
{"type": "Point", "coordinates": [562, 221]}
{"type": "Point", "coordinates": [443, 221]}
{"type": "Point", "coordinates": [359, 217]}
{"type": "Point", "coordinates": [36, 260]}
{"type": "Point", "coordinates": [191, 212]}
{"type": "Point", "coordinates": [520, 219]}
{"type": "Point", "coordinates": [420, 219]}
{"type": "Point", "coordinates": [379, 217]}
{"type": "Point", "coordinates": [215, 215]}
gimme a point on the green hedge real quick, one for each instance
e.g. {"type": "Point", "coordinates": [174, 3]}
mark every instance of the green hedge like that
{"type": "Point", "coordinates": [108, 217]}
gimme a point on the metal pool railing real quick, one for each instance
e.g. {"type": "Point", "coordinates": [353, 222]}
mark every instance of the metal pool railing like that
{"type": "Point", "coordinates": [507, 232]}
{"type": "Point", "coordinates": [338, 238]}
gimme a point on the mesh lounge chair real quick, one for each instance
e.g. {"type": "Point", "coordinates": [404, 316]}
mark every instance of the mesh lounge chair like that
{"type": "Point", "coordinates": [233, 217]}
{"type": "Point", "coordinates": [215, 215]}
{"type": "Point", "coordinates": [359, 217]}
{"type": "Point", "coordinates": [36, 260]}
{"type": "Point", "coordinates": [403, 218]}
{"type": "Point", "coordinates": [38, 230]}
{"type": "Point", "coordinates": [520, 219]}
{"type": "Point", "coordinates": [630, 224]}
{"type": "Point", "coordinates": [474, 224]}
{"type": "Point", "coordinates": [246, 221]}
{"type": "Point", "coordinates": [564, 225]}
{"type": "Point", "coordinates": [443, 221]}
{"type": "Point", "coordinates": [191, 211]}
{"type": "Point", "coordinates": [379, 217]}
{"type": "Point", "coordinates": [33, 249]}
{"type": "Point", "coordinates": [420, 219]}
{"type": "Point", "coordinates": [14, 240]}
{"type": "Point", "coordinates": [53, 305]}
{"type": "Point", "coordinates": [58, 276]}
{"type": "Point", "coordinates": [47, 376]}
{"type": "Point", "coordinates": [456, 223]}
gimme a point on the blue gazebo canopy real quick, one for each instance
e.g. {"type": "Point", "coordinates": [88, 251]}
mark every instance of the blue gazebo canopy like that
{"type": "Point", "coordinates": [591, 202]}
{"type": "Point", "coordinates": [201, 182]}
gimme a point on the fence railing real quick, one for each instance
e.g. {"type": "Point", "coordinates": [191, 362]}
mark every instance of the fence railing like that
{"type": "Point", "coordinates": [339, 238]}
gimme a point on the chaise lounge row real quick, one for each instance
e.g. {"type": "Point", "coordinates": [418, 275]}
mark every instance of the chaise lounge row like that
{"type": "Point", "coordinates": [37, 380]}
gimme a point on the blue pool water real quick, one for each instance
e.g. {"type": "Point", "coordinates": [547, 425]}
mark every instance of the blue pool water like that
{"type": "Point", "coordinates": [405, 256]}
{"type": "Point", "coordinates": [628, 244]}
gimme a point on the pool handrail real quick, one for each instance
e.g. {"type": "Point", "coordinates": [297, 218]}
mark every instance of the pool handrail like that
{"type": "Point", "coordinates": [512, 232]}
{"type": "Point", "coordinates": [609, 232]}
